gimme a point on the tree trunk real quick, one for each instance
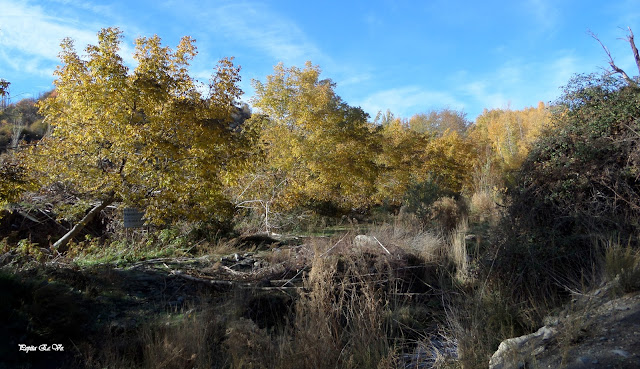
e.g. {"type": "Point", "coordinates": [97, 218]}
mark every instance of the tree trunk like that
{"type": "Point", "coordinates": [61, 244]}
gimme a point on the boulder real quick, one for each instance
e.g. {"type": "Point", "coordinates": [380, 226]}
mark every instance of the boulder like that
{"type": "Point", "coordinates": [519, 352]}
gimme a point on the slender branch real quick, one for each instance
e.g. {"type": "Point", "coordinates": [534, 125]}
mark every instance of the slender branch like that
{"type": "Point", "coordinates": [248, 186]}
{"type": "Point", "coordinates": [613, 65]}
{"type": "Point", "coordinates": [381, 245]}
{"type": "Point", "coordinates": [240, 204]}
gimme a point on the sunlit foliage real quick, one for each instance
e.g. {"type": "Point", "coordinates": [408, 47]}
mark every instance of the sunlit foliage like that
{"type": "Point", "coordinates": [149, 136]}
{"type": "Point", "coordinates": [503, 139]}
{"type": "Point", "coordinates": [319, 148]}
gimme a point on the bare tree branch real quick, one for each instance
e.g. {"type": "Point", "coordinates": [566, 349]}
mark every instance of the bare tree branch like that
{"type": "Point", "coordinates": [636, 56]}
{"type": "Point", "coordinates": [613, 65]}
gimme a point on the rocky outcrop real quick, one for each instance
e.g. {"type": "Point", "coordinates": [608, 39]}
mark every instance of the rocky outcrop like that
{"type": "Point", "coordinates": [600, 329]}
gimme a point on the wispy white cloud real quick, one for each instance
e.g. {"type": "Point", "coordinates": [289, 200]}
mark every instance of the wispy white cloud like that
{"type": "Point", "coordinates": [517, 85]}
{"type": "Point", "coordinates": [254, 32]}
{"type": "Point", "coordinates": [26, 64]}
{"type": "Point", "coordinates": [509, 74]}
{"type": "Point", "coordinates": [256, 26]}
{"type": "Point", "coordinates": [559, 71]}
{"type": "Point", "coordinates": [487, 95]}
{"type": "Point", "coordinates": [627, 12]}
{"type": "Point", "coordinates": [406, 101]}
{"type": "Point", "coordinates": [30, 34]}
{"type": "Point", "coordinates": [85, 5]}
{"type": "Point", "coordinates": [354, 79]}
{"type": "Point", "coordinates": [31, 30]}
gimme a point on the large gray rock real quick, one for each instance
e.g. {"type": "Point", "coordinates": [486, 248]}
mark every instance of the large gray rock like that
{"type": "Point", "coordinates": [518, 352]}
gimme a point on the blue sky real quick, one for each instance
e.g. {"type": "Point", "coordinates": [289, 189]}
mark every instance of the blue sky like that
{"type": "Point", "coordinates": [407, 56]}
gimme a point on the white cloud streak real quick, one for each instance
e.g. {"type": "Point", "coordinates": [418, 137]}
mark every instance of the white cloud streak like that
{"type": "Point", "coordinates": [31, 31]}
{"type": "Point", "coordinates": [513, 85]}
{"type": "Point", "coordinates": [30, 35]}
{"type": "Point", "coordinates": [256, 26]}
{"type": "Point", "coordinates": [406, 101]}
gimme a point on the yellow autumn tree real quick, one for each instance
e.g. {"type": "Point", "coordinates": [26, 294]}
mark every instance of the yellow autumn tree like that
{"type": "Point", "coordinates": [317, 148]}
{"type": "Point", "coordinates": [509, 134]}
{"type": "Point", "coordinates": [400, 161]}
{"type": "Point", "coordinates": [449, 160]}
{"type": "Point", "coordinates": [147, 137]}
{"type": "Point", "coordinates": [409, 159]}
{"type": "Point", "coordinates": [14, 179]}
{"type": "Point", "coordinates": [4, 88]}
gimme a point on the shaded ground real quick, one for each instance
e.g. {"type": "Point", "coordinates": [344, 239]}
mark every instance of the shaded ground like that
{"type": "Point", "coordinates": [84, 309]}
{"type": "Point", "coordinates": [58, 303]}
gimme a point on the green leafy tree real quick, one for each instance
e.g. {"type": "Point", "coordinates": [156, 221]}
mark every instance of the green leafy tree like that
{"type": "Point", "coordinates": [147, 137]}
{"type": "Point", "coordinates": [584, 176]}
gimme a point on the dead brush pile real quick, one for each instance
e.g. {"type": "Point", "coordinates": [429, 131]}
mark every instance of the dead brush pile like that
{"type": "Point", "coordinates": [362, 305]}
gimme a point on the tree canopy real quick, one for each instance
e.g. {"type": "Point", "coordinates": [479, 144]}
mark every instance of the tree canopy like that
{"type": "Point", "coordinates": [322, 148]}
{"type": "Point", "coordinates": [147, 137]}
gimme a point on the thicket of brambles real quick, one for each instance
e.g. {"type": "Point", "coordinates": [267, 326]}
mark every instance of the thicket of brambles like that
{"type": "Point", "coordinates": [543, 189]}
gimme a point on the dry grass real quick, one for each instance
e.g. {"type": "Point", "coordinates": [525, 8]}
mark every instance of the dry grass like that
{"type": "Point", "coordinates": [189, 339]}
{"type": "Point", "coordinates": [410, 236]}
{"type": "Point", "coordinates": [341, 321]}
{"type": "Point", "coordinates": [248, 346]}
{"type": "Point", "coordinates": [361, 306]}
{"type": "Point", "coordinates": [483, 208]}
{"type": "Point", "coordinates": [622, 265]}
{"type": "Point", "coordinates": [186, 343]}
{"type": "Point", "coordinates": [575, 325]}
{"type": "Point", "coordinates": [458, 252]}
{"type": "Point", "coordinates": [481, 310]}
{"type": "Point", "coordinates": [478, 321]}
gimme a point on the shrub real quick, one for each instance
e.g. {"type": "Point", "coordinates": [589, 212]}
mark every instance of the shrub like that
{"type": "Point", "coordinates": [340, 321]}
{"type": "Point", "coordinates": [583, 176]}
{"type": "Point", "coordinates": [189, 342]}
{"type": "Point", "coordinates": [420, 196]}
{"type": "Point", "coordinates": [446, 213]}
{"type": "Point", "coordinates": [579, 183]}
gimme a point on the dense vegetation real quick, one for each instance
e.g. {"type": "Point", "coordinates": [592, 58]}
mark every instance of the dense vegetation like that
{"type": "Point", "coordinates": [499, 217]}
